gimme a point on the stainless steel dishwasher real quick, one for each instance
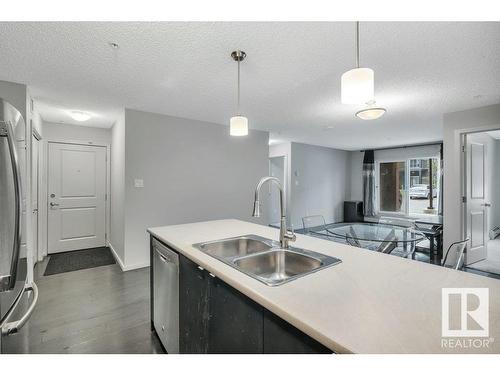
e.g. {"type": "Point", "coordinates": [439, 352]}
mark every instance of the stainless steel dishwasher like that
{"type": "Point", "coordinates": [166, 296]}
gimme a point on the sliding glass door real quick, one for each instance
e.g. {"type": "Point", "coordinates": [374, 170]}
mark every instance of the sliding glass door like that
{"type": "Point", "coordinates": [408, 187]}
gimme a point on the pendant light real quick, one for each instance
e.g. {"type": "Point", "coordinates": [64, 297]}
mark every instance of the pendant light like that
{"type": "Point", "coordinates": [357, 85]}
{"type": "Point", "coordinates": [371, 112]}
{"type": "Point", "coordinates": [238, 125]}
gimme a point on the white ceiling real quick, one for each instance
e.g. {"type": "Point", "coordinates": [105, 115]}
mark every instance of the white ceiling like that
{"type": "Point", "coordinates": [290, 79]}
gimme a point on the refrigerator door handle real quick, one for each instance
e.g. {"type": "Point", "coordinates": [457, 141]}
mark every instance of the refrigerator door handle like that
{"type": "Point", "coordinates": [10, 328]}
{"type": "Point", "coordinates": [8, 282]}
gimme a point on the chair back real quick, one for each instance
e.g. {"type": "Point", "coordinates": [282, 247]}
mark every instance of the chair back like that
{"type": "Point", "coordinates": [352, 241]}
{"type": "Point", "coordinates": [398, 221]}
{"type": "Point", "coordinates": [352, 238]}
{"type": "Point", "coordinates": [389, 243]}
{"type": "Point", "coordinates": [314, 223]}
{"type": "Point", "coordinates": [454, 257]}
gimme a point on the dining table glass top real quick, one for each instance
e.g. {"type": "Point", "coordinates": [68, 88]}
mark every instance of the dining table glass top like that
{"type": "Point", "coordinates": [371, 232]}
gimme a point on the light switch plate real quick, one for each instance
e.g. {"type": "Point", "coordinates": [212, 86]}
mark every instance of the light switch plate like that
{"type": "Point", "coordinates": [138, 183]}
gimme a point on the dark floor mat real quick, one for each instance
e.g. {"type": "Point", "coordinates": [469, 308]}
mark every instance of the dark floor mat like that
{"type": "Point", "coordinates": [79, 260]}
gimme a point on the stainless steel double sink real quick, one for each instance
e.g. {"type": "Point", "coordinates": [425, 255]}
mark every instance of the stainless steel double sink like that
{"type": "Point", "coordinates": [264, 260]}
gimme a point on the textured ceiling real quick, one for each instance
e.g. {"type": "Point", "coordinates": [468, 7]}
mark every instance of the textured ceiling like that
{"type": "Point", "coordinates": [290, 79]}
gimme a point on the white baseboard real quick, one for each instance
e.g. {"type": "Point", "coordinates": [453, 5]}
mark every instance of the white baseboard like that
{"type": "Point", "coordinates": [136, 266]}
{"type": "Point", "coordinates": [124, 267]}
{"type": "Point", "coordinates": [117, 258]}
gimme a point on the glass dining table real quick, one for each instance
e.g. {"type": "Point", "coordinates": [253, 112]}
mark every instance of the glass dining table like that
{"type": "Point", "coordinates": [372, 236]}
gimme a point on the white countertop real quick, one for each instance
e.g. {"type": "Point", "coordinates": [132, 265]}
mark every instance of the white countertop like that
{"type": "Point", "coordinates": [369, 303]}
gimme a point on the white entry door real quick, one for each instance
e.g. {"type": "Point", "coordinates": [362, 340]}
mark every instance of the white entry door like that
{"type": "Point", "coordinates": [76, 197]}
{"type": "Point", "coordinates": [477, 226]}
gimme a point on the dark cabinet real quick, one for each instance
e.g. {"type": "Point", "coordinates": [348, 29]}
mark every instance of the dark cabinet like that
{"type": "Point", "coordinates": [193, 307]}
{"type": "Point", "coordinates": [280, 337]}
{"type": "Point", "coordinates": [216, 318]}
{"type": "Point", "coordinates": [235, 323]}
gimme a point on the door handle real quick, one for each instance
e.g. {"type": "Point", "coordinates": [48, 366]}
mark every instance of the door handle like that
{"type": "Point", "coordinates": [486, 204]}
{"type": "Point", "coordinates": [52, 204]}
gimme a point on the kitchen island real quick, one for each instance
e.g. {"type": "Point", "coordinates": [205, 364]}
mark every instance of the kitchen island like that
{"type": "Point", "coordinates": [369, 303]}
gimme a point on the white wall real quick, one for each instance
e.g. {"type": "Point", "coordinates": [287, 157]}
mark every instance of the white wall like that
{"type": "Point", "coordinates": [117, 235]}
{"type": "Point", "coordinates": [192, 171]}
{"type": "Point", "coordinates": [318, 186]}
{"type": "Point", "coordinates": [455, 124]}
{"type": "Point", "coordinates": [74, 133]}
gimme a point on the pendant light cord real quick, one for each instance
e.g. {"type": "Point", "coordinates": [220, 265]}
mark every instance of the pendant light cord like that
{"type": "Point", "coordinates": [357, 44]}
{"type": "Point", "coordinates": [238, 107]}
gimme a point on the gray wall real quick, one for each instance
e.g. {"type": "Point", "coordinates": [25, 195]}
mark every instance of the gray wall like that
{"type": "Point", "coordinates": [318, 182]}
{"type": "Point", "coordinates": [192, 171]}
{"type": "Point", "coordinates": [117, 235]}
{"type": "Point", "coordinates": [355, 187]}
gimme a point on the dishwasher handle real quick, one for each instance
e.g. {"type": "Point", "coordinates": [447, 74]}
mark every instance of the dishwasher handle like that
{"type": "Point", "coordinates": [165, 254]}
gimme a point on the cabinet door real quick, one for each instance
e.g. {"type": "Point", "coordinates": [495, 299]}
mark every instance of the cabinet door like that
{"type": "Point", "coordinates": [193, 307]}
{"type": "Point", "coordinates": [236, 322]}
{"type": "Point", "coordinates": [280, 337]}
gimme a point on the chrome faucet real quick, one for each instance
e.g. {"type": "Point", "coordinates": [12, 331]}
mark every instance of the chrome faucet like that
{"type": "Point", "coordinates": [285, 235]}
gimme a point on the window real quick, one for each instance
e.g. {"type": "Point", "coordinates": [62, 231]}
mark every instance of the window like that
{"type": "Point", "coordinates": [424, 187]}
{"type": "Point", "coordinates": [392, 186]}
{"type": "Point", "coordinates": [409, 187]}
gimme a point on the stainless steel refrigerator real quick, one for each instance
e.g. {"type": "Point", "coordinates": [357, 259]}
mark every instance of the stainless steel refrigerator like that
{"type": "Point", "coordinates": [17, 297]}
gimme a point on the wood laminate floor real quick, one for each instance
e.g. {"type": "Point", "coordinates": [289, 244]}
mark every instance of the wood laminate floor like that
{"type": "Point", "coordinates": [96, 310]}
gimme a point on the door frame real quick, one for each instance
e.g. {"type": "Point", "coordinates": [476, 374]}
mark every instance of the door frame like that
{"type": "Point", "coordinates": [44, 201]}
{"type": "Point", "coordinates": [38, 137]}
{"type": "Point", "coordinates": [463, 177]}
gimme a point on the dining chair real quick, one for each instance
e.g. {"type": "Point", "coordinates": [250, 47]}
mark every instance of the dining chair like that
{"type": "Point", "coordinates": [455, 255]}
{"type": "Point", "coordinates": [408, 249]}
{"type": "Point", "coordinates": [315, 223]}
{"type": "Point", "coordinates": [389, 243]}
{"type": "Point", "coordinates": [352, 238]}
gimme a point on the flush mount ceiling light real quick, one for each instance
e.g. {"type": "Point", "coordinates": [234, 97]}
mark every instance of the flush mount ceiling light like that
{"type": "Point", "coordinates": [79, 116]}
{"type": "Point", "coordinates": [238, 125]}
{"type": "Point", "coordinates": [357, 85]}
{"type": "Point", "coordinates": [371, 113]}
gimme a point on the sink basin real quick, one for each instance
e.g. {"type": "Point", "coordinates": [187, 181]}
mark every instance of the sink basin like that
{"type": "Point", "coordinates": [236, 247]}
{"type": "Point", "coordinates": [278, 265]}
{"type": "Point", "coordinates": [263, 259]}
